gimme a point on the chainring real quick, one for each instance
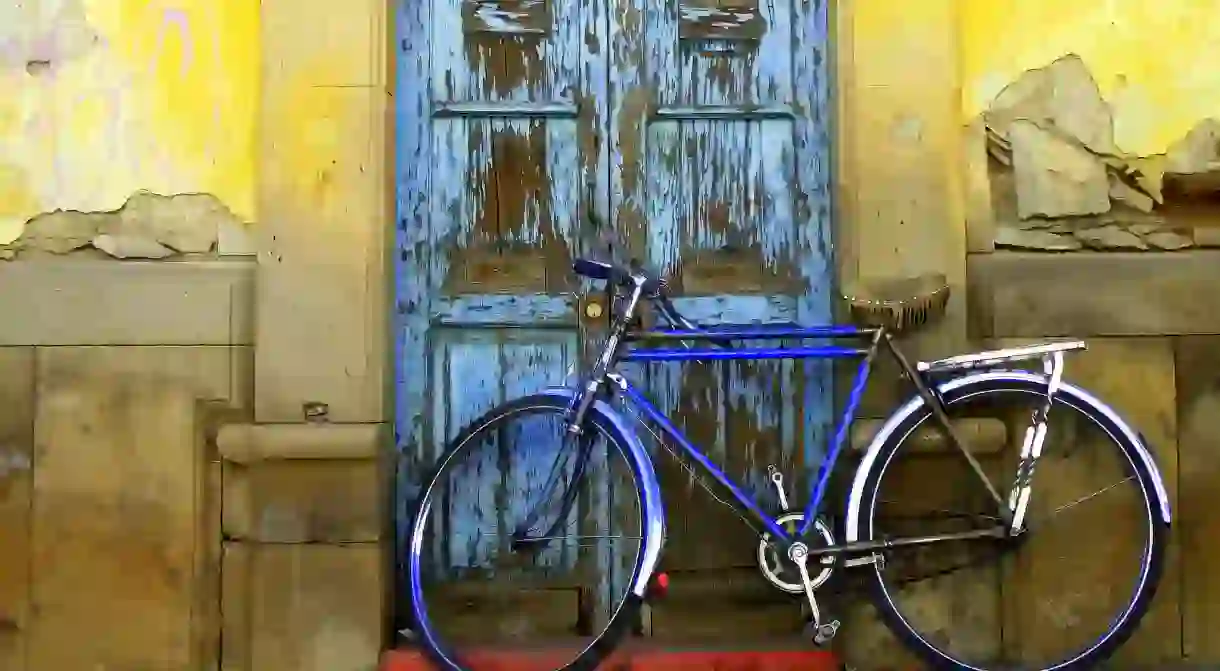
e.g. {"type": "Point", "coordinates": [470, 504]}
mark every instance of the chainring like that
{"type": "Point", "coordinates": [781, 572]}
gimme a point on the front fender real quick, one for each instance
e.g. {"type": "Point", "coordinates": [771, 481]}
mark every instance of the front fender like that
{"type": "Point", "coordinates": [653, 507]}
{"type": "Point", "coordinates": [1107, 418]}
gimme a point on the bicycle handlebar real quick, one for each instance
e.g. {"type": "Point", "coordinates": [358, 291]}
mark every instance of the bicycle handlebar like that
{"type": "Point", "coordinates": [652, 288]}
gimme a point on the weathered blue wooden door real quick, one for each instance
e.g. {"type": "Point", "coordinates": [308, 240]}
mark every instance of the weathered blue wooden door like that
{"type": "Point", "coordinates": [697, 130]}
{"type": "Point", "coordinates": [720, 134]}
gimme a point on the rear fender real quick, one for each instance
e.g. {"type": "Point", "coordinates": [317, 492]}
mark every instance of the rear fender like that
{"type": "Point", "coordinates": [1106, 418]}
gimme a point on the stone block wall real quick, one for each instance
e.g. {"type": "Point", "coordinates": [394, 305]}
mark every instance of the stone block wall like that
{"type": "Point", "coordinates": [1046, 230]}
{"type": "Point", "coordinates": [171, 495]}
{"type": "Point", "coordinates": [109, 499]}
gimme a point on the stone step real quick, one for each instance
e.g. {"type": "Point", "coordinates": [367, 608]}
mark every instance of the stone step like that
{"type": "Point", "coordinates": [635, 657]}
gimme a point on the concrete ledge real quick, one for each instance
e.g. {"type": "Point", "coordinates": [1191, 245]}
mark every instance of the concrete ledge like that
{"type": "Point", "coordinates": [74, 302]}
{"type": "Point", "coordinates": [304, 501]}
{"type": "Point", "coordinates": [248, 443]}
{"type": "Point", "coordinates": [1017, 294]}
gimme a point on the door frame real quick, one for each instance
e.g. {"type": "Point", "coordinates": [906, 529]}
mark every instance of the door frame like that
{"type": "Point", "coordinates": [412, 110]}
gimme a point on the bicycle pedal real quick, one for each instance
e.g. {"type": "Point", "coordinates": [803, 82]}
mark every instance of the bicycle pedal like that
{"type": "Point", "coordinates": [826, 633]}
{"type": "Point", "coordinates": [658, 587]}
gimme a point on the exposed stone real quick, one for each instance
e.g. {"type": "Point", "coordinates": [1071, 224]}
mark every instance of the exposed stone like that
{"type": "Point", "coordinates": [188, 223]}
{"type": "Point", "coordinates": [235, 238]}
{"type": "Point", "coordinates": [124, 246]}
{"type": "Point", "coordinates": [1035, 224]}
{"type": "Point", "coordinates": [1062, 95]}
{"type": "Point", "coordinates": [1003, 190]}
{"type": "Point", "coordinates": [1006, 236]}
{"type": "Point", "coordinates": [1068, 226]}
{"type": "Point", "coordinates": [1110, 237]}
{"type": "Point", "coordinates": [1197, 152]}
{"type": "Point", "coordinates": [1168, 240]}
{"type": "Point", "coordinates": [63, 231]}
{"type": "Point", "coordinates": [1055, 177]}
{"type": "Point", "coordinates": [1144, 229]}
{"type": "Point", "coordinates": [1195, 184]}
{"type": "Point", "coordinates": [1122, 192]}
{"type": "Point", "coordinates": [146, 226]}
{"type": "Point", "coordinates": [1128, 216]}
{"type": "Point", "coordinates": [1149, 175]}
{"type": "Point", "coordinates": [1192, 164]}
{"type": "Point", "coordinates": [1206, 236]}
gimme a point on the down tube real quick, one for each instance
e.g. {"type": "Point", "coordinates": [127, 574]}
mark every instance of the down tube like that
{"type": "Point", "coordinates": [814, 504]}
{"type": "Point", "coordinates": [744, 501]}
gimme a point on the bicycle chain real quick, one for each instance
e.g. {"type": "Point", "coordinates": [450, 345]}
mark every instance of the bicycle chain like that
{"type": "Point", "coordinates": [1005, 547]}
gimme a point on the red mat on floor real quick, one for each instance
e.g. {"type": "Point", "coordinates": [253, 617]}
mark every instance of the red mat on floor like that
{"type": "Point", "coordinates": [637, 659]}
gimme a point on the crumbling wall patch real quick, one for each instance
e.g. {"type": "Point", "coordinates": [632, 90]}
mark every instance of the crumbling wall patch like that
{"type": "Point", "coordinates": [1060, 183]}
{"type": "Point", "coordinates": [148, 226]}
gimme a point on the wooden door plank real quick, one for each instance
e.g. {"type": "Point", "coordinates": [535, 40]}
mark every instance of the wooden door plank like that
{"type": "Point", "coordinates": [721, 183]}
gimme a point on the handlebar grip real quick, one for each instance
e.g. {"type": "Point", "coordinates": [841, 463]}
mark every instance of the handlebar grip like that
{"type": "Point", "coordinates": [602, 270]}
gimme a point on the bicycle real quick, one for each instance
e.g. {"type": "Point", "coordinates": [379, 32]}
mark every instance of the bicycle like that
{"type": "Point", "coordinates": [801, 540]}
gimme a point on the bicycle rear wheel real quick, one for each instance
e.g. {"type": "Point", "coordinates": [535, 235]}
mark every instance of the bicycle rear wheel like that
{"type": "Point", "coordinates": [527, 539]}
{"type": "Point", "coordinates": [1054, 597]}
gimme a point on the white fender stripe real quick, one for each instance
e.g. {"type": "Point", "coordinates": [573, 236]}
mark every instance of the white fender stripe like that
{"type": "Point", "coordinates": [1075, 396]}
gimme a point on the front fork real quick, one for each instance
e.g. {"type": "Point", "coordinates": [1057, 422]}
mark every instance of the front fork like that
{"type": "Point", "coordinates": [597, 377]}
{"type": "Point", "coordinates": [1031, 446]}
{"type": "Point", "coordinates": [575, 423]}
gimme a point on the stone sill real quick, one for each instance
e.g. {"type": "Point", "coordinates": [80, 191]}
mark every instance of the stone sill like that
{"type": "Point", "coordinates": [1087, 294]}
{"type": "Point", "coordinates": [57, 302]}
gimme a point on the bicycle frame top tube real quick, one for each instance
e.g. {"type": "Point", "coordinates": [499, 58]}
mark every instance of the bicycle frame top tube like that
{"type": "Point", "coordinates": [620, 347]}
{"type": "Point", "coordinates": [690, 451]}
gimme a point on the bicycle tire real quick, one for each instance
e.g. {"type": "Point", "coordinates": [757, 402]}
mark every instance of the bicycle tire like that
{"type": "Point", "coordinates": [1155, 508]}
{"type": "Point", "coordinates": [621, 621]}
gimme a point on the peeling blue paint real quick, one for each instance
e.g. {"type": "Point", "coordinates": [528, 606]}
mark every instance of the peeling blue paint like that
{"type": "Point", "coordinates": [472, 371]}
{"type": "Point", "coordinates": [506, 310]}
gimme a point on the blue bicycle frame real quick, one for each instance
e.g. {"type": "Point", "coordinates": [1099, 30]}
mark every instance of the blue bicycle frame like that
{"type": "Point", "coordinates": [782, 332]}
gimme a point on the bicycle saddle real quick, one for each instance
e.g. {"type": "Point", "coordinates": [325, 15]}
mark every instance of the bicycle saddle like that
{"type": "Point", "coordinates": [898, 303]}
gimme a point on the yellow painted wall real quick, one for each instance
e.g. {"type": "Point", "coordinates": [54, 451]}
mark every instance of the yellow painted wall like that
{"type": "Point", "coordinates": [1154, 61]}
{"type": "Point", "coordinates": [100, 98]}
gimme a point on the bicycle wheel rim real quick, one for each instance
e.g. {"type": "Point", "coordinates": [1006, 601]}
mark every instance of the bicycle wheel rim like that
{"type": "Point", "coordinates": [442, 651]}
{"type": "Point", "coordinates": [1120, 626]}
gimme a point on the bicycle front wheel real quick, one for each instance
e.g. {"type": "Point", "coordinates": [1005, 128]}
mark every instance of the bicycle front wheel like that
{"type": "Point", "coordinates": [527, 541]}
{"type": "Point", "coordinates": [1063, 595]}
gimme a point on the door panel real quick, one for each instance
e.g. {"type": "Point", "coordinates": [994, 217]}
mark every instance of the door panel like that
{"type": "Point", "coordinates": [472, 371]}
{"type": "Point", "coordinates": [722, 186]}
{"type": "Point", "coordinates": [500, 110]}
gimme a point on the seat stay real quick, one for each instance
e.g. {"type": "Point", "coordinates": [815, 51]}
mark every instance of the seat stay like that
{"type": "Point", "coordinates": [995, 358]}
